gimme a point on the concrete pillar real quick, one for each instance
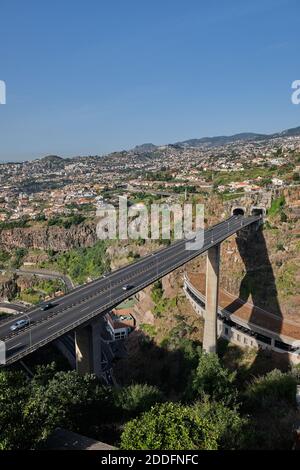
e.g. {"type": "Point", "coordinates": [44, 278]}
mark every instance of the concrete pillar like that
{"type": "Point", "coordinates": [212, 293]}
{"type": "Point", "coordinates": [88, 349]}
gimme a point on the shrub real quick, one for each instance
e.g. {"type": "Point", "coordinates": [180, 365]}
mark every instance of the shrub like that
{"type": "Point", "coordinates": [172, 426]}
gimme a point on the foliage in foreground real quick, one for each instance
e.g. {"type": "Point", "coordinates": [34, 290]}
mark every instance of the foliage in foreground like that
{"type": "Point", "coordinates": [31, 410]}
{"type": "Point", "coordinates": [264, 419]}
{"type": "Point", "coordinates": [213, 380]}
{"type": "Point", "coordinates": [172, 426]}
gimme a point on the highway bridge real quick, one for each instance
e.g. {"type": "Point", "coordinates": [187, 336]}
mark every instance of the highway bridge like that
{"type": "Point", "coordinates": [78, 309]}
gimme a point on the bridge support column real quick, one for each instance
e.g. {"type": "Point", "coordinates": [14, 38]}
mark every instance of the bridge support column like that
{"type": "Point", "coordinates": [211, 306]}
{"type": "Point", "coordinates": [88, 349]}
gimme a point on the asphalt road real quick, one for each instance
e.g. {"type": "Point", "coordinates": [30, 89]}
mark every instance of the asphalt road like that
{"type": "Point", "coordinates": [97, 297]}
{"type": "Point", "coordinates": [43, 273]}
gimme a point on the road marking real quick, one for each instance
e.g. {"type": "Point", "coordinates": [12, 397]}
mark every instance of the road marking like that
{"type": "Point", "coordinates": [54, 325]}
{"type": "Point", "coordinates": [15, 345]}
{"type": "Point", "coordinates": [83, 309]}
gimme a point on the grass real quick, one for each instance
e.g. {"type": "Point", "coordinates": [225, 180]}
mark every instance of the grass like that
{"type": "Point", "coordinates": [277, 206]}
{"type": "Point", "coordinates": [230, 196]}
{"type": "Point", "coordinates": [286, 280]}
{"type": "Point", "coordinates": [148, 329]}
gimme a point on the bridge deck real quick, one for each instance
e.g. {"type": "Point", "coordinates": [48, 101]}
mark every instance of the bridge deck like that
{"type": "Point", "coordinates": [96, 298]}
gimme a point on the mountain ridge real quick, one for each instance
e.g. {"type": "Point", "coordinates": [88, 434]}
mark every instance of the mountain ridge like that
{"type": "Point", "coordinates": [243, 136]}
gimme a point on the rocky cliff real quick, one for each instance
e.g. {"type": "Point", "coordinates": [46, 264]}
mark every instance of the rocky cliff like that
{"type": "Point", "coordinates": [49, 238]}
{"type": "Point", "coordinates": [9, 288]}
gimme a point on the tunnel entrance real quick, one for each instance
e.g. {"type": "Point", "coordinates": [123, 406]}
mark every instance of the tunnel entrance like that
{"type": "Point", "coordinates": [238, 211]}
{"type": "Point", "coordinates": [258, 211]}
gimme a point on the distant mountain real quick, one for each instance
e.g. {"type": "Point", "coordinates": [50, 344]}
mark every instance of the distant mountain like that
{"type": "Point", "coordinates": [245, 136]}
{"type": "Point", "coordinates": [288, 132]}
{"type": "Point", "coordinates": [51, 159]}
{"type": "Point", "coordinates": [145, 148]}
{"type": "Point", "coordinates": [221, 140]}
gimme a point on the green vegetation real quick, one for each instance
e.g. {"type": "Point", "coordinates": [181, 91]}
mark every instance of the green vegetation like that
{"type": "Point", "coordinates": [159, 176]}
{"type": "Point", "coordinates": [220, 178]}
{"type": "Point", "coordinates": [30, 295]}
{"type": "Point", "coordinates": [31, 410]}
{"type": "Point", "coordinates": [18, 257]}
{"type": "Point", "coordinates": [148, 329]}
{"type": "Point", "coordinates": [277, 206]}
{"type": "Point", "coordinates": [258, 413]}
{"type": "Point", "coordinates": [50, 286]}
{"type": "Point", "coordinates": [81, 263]}
{"type": "Point", "coordinates": [41, 289]}
{"type": "Point", "coordinates": [229, 196]}
{"type": "Point", "coordinates": [66, 222]}
{"type": "Point", "coordinates": [4, 258]}
{"type": "Point", "coordinates": [286, 279]}
{"type": "Point", "coordinates": [22, 223]}
{"type": "Point", "coordinates": [170, 426]}
{"type": "Point", "coordinates": [157, 291]}
{"type": "Point", "coordinates": [270, 402]}
{"type": "Point", "coordinates": [13, 259]}
{"type": "Point", "coordinates": [270, 390]}
{"type": "Point", "coordinates": [213, 380]}
{"type": "Point", "coordinates": [136, 399]}
{"type": "Point", "coordinates": [161, 304]}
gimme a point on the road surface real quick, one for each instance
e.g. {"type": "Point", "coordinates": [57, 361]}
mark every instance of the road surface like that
{"type": "Point", "coordinates": [97, 297]}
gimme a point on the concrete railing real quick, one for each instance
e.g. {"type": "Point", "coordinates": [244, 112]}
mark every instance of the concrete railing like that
{"type": "Point", "coordinates": [229, 327]}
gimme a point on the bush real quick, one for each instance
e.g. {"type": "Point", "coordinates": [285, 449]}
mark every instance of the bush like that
{"type": "Point", "coordinates": [213, 380]}
{"type": "Point", "coordinates": [82, 263]}
{"type": "Point", "coordinates": [31, 410]}
{"type": "Point", "coordinates": [135, 399]}
{"type": "Point", "coordinates": [268, 391]}
{"type": "Point", "coordinates": [172, 426]}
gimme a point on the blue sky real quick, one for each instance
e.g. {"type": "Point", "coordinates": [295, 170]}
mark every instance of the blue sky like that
{"type": "Point", "coordinates": [94, 76]}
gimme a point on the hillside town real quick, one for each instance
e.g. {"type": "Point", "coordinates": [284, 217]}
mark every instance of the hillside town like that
{"type": "Point", "coordinates": [52, 186]}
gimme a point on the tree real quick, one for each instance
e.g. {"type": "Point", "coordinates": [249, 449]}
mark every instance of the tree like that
{"type": "Point", "coordinates": [172, 426]}
{"type": "Point", "coordinates": [31, 410]}
{"type": "Point", "coordinates": [15, 432]}
{"type": "Point", "coordinates": [213, 380]}
{"type": "Point", "coordinates": [271, 400]}
{"type": "Point", "coordinates": [271, 390]}
{"type": "Point", "coordinates": [137, 398]}
{"type": "Point", "coordinates": [67, 400]}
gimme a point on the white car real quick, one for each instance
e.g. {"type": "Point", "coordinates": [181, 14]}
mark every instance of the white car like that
{"type": "Point", "coordinates": [19, 324]}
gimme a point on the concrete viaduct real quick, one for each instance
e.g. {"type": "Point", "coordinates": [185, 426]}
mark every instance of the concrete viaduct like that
{"type": "Point", "coordinates": [80, 309]}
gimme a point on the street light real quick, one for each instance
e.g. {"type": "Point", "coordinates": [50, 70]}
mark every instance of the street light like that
{"type": "Point", "coordinates": [30, 337]}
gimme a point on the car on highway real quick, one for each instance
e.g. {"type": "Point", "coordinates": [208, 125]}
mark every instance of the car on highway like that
{"type": "Point", "coordinates": [46, 305]}
{"type": "Point", "coordinates": [19, 324]}
{"type": "Point", "coordinates": [127, 287]}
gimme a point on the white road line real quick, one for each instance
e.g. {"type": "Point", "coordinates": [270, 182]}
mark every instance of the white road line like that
{"type": "Point", "coordinates": [14, 346]}
{"type": "Point", "coordinates": [83, 309]}
{"type": "Point", "coordinates": [54, 325]}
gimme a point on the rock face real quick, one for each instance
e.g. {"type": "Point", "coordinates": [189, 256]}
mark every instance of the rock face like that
{"type": "Point", "coordinates": [45, 238]}
{"type": "Point", "coordinates": [9, 288]}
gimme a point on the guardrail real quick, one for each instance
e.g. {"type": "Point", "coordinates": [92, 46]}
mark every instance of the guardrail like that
{"type": "Point", "coordinates": [108, 306]}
